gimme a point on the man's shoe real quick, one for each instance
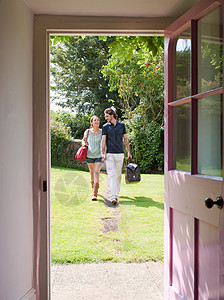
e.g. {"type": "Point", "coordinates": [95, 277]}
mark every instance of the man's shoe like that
{"type": "Point", "coordinates": [114, 200]}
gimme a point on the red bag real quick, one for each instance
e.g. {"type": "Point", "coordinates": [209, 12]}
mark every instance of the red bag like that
{"type": "Point", "coordinates": [82, 152]}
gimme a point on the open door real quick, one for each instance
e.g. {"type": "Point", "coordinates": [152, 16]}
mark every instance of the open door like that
{"type": "Point", "coordinates": [194, 232]}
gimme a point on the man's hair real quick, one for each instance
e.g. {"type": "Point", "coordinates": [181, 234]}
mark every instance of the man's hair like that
{"type": "Point", "coordinates": [111, 112]}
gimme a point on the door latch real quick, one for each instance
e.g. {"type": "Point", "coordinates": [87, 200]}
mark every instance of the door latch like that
{"type": "Point", "coordinates": [219, 202]}
{"type": "Point", "coordinates": [45, 186]}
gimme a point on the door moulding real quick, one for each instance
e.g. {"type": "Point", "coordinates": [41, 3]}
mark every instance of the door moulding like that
{"type": "Point", "coordinates": [44, 26]}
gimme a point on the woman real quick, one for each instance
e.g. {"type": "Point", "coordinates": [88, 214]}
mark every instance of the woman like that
{"type": "Point", "coordinates": [92, 138]}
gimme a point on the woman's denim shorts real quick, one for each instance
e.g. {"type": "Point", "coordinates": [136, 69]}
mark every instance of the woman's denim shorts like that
{"type": "Point", "coordinates": [94, 160]}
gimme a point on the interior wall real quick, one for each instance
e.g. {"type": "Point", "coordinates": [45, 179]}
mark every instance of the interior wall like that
{"type": "Point", "coordinates": [16, 212]}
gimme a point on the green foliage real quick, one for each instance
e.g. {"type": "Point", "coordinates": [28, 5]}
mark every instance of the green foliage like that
{"type": "Point", "coordinates": [140, 85]}
{"type": "Point", "coordinates": [183, 63]}
{"type": "Point", "coordinates": [56, 39]}
{"type": "Point", "coordinates": [212, 60]}
{"type": "Point", "coordinates": [125, 47]}
{"type": "Point", "coordinates": [59, 132]}
{"type": "Point", "coordinates": [76, 81]}
{"type": "Point", "coordinates": [76, 123]}
{"type": "Point", "coordinates": [150, 153]}
{"type": "Point", "coordinates": [60, 139]}
{"type": "Point", "coordinates": [62, 144]}
{"type": "Point", "coordinates": [211, 68]}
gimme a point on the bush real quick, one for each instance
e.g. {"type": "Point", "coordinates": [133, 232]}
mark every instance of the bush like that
{"type": "Point", "coordinates": [63, 146]}
{"type": "Point", "coordinates": [149, 152]}
{"type": "Point", "coordinates": [60, 139]}
{"type": "Point", "coordinates": [76, 123]}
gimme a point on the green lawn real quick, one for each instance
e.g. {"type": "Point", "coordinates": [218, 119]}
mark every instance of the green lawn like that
{"type": "Point", "coordinates": [77, 230]}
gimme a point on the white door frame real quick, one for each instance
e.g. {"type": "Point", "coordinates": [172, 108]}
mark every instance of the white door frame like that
{"type": "Point", "coordinates": [44, 26]}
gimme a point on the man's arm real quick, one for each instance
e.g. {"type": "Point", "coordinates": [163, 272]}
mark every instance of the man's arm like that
{"type": "Point", "coordinates": [103, 147]}
{"type": "Point", "coordinates": [126, 142]}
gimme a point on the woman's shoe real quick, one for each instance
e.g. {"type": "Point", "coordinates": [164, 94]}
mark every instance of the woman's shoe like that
{"type": "Point", "coordinates": [95, 191]}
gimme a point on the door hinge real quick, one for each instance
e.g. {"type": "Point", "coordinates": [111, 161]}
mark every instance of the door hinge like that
{"type": "Point", "coordinates": [45, 186]}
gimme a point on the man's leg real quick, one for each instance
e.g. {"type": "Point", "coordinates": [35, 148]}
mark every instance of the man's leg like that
{"type": "Point", "coordinates": [111, 174]}
{"type": "Point", "coordinates": [119, 159]}
{"type": "Point", "coordinates": [114, 165]}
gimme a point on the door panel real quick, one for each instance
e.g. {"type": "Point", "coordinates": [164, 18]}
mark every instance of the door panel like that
{"type": "Point", "coordinates": [208, 273]}
{"type": "Point", "coordinates": [182, 242]}
{"type": "Point", "coordinates": [187, 193]}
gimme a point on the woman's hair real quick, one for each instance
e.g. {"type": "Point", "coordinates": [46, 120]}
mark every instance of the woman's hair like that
{"type": "Point", "coordinates": [111, 112]}
{"type": "Point", "coordinates": [91, 120]}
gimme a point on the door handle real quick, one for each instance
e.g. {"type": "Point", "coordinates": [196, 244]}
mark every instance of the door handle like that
{"type": "Point", "coordinates": [219, 202]}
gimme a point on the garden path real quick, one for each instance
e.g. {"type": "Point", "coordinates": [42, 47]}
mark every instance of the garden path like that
{"type": "Point", "coordinates": [108, 281]}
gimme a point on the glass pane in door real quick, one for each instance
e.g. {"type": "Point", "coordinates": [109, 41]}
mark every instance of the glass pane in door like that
{"type": "Point", "coordinates": [181, 137]}
{"type": "Point", "coordinates": [210, 136]}
{"type": "Point", "coordinates": [210, 51]}
{"type": "Point", "coordinates": [183, 65]}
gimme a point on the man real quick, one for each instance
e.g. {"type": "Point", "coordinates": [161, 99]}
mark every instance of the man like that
{"type": "Point", "coordinates": [113, 133]}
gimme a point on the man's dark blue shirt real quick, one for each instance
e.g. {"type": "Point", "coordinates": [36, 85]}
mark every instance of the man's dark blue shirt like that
{"type": "Point", "coordinates": [114, 136]}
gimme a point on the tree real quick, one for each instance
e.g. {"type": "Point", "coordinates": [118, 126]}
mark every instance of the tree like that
{"type": "Point", "coordinates": [124, 47]}
{"type": "Point", "coordinates": [76, 81]}
{"type": "Point", "coordinates": [140, 85]}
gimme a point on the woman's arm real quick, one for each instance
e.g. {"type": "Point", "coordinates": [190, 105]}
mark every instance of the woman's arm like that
{"type": "Point", "coordinates": [84, 140]}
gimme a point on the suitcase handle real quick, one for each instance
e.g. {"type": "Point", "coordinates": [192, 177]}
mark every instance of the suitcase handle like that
{"type": "Point", "coordinates": [130, 160]}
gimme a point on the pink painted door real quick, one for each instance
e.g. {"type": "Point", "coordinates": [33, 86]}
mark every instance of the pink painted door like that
{"type": "Point", "coordinates": [194, 233]}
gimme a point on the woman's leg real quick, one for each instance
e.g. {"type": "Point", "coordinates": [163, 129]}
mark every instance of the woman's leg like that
{"type": "Point", "coordinates": [91, 169]}
{"type": "Point", "coordinates": [97, 168]}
